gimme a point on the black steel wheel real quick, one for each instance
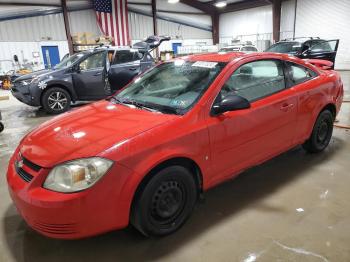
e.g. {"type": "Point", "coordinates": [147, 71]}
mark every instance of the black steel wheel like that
{"type": "Point", "coordinates": [321, 134]}
{"type": "Point", "coordinates": [165, 202]}
{"type": "Point", "coordinates": [56, 100]}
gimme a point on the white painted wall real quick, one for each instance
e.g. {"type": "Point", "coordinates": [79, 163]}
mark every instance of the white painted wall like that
{"type": "Point", "coordinates": [253, 24]}
{"type": "Point", "coordinates": [24, 51]}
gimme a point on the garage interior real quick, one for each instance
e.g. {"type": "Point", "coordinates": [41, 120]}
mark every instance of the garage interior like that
{"type": "Point", "coordinates": [292, 208]}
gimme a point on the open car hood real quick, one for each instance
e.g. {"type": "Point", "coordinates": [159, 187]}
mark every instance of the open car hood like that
{"type": "Point", "coordinates": [151, 42]}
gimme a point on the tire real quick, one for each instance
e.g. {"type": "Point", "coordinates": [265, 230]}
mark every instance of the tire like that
{"type": "Point", "coordinates": [56, 100]}
{"type": "Point", "coordinates": [321, 134]}
{"type": "Point", "coordinates": [165, 202]}
{"type": "Point", "coordinates": [1, 127]}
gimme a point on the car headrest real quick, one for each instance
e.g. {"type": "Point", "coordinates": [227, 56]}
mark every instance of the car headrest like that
{"type": "Point", "coordinates": [247, 70]}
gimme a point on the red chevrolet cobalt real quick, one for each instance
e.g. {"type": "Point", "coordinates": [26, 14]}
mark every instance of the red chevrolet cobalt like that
{"type": "Point", "coordinates": [144, 155]}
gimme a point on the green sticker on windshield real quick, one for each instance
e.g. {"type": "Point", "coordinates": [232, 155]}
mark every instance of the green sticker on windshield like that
{"type": "Point", "coordinates": [205, 64]}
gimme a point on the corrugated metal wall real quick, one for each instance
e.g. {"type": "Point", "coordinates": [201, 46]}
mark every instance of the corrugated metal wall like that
{"type": "Point", "coordinates": [52, 27]}
{"type": "Point", "coordinates": [48, 27]}
{"type": "Point", "coordinates": [33, 28]}
{"type": "Point", "coordinates": [83, 21]}
{"type": "Point", "coordinates": [141, 26]}
{"type": "Point", "coordinates": [247, 25]}
{"type": "Point", "coordinates": [287, 19]}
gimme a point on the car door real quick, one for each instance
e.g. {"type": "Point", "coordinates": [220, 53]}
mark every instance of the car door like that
{"type": "Point", "coordinates": [302, 80]}
{"type": "Point", "coordinates": [126, 65]}
{"type": "Point", "coordinates": [326, 50]}
{"type": "Point", "coordinates": [242, 138]}
{"type": "Point", "coordinates": [88, 78]}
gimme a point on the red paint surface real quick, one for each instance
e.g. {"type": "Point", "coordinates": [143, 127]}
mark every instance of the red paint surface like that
{"type": "Point", "coordinates": [138, 141]}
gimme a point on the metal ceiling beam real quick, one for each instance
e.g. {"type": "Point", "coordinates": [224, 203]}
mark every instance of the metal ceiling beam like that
{"type": "Point", "coordinates": [204, 7]}
{"type": "Point", "coordinates": [67, 26]}
{"type": "Point", "coordinates": [238, 6]}
{"type": "Point", "coordinates": [29, 4]}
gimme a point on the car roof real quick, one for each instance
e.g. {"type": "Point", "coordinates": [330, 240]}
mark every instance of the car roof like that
{"type": "Point", "coordinates": [228, 57]}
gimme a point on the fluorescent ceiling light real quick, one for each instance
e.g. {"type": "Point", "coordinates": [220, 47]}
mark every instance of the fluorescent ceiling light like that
{"type": "Point", "coordinates": [173, 1]}
{"type": "Point", "coordinates": [220, 4]}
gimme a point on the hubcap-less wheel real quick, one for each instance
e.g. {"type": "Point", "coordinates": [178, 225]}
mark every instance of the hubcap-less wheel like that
{"type": "Point", "coordinates": [167, 202]}
{"type": "Point", "coordinates": [57, 101]}
{"type": "Point", "coordinates": [321, 133]}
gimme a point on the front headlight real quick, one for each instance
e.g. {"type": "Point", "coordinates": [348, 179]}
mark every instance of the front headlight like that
{"type": "Point", "coordinates": [77, 175]}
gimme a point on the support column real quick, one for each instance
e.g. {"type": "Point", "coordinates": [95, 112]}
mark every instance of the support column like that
{"type": "Point", "coordinates": [276, 20]}
{"type": "Point", "coordinates": [155, 28]}
{"type": "Point", "coordinates": [215, 27]}
{"type": "Point", "coordinates": [66, 26]}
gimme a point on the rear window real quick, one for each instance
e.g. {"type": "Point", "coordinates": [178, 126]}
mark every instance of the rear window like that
{"type": "Point", "coordinates": [126, 56]}
{"type": "Point", "coordinates": [299, 74]}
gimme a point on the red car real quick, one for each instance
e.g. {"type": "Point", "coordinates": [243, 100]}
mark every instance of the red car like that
{"type": "Point", "coordinates": [144, 155]}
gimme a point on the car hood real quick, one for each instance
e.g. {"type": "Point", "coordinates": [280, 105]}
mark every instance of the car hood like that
{"type": "Point", "coordinates": [33, 74]}
{"type": "Point", "coordinates": [87, 132]}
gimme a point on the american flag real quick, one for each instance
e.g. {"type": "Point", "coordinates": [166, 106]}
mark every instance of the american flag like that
{"type": "Point", "coordinates": [112, 18]}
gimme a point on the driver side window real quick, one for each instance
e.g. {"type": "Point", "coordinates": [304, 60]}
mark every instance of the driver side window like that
{"type": "Point", "coordinates": [93, 61]}
{"type": "Point", "coordinates": [255, 80]}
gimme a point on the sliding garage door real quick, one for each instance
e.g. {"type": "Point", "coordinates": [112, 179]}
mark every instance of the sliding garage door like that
{"type": "Point", "coordinates": [326, 19]}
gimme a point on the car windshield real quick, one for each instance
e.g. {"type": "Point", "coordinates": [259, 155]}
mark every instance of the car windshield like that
{"type": "Point", "coordinates": [172, 87]}
{"type": "Point", "coordinates": [68, 61]}
{"type": "Point", "coordinates": [285, 47]}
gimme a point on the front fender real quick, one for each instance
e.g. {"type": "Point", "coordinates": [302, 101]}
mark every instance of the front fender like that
{"type": "Point", "coordinates": [66, 83]}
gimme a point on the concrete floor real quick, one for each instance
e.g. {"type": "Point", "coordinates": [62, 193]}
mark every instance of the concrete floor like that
{"type": "Point", "coordinates": [293, 208]}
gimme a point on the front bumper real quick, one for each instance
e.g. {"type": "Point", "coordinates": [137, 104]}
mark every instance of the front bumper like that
{"type": "Point", "coordinates": [68, 216]}
{"type": "Point", "coordinates": [24, 95]}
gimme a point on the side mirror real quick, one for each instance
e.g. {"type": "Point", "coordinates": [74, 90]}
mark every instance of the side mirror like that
{"type": "Point", "coordinates": [230, 103]}
{"type": "Point", "coordinates": [76, 68]}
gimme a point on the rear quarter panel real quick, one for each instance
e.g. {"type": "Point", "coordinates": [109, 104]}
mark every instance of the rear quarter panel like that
{"type": "Point", "coordinates": [314, 96]}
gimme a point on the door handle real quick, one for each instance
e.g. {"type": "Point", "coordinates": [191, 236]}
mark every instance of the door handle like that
{"type": "Point", "coordinates": [133, 68]}
{"type": "Point", "coordinates": [286, 107]}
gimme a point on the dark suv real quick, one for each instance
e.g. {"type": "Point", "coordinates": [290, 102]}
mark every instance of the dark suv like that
{"type": "Point", "coordinates": [85, 76]}
{"type": "Point", "coordinates": [307, 48]}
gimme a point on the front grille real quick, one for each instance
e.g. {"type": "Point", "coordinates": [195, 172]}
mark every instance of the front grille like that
{"type": "Point", "coordinates": [31, 165]}
{"type": "Point", "coordinates": [22, 161]}
{"type": "Point", "coordinates": [23, 174]}
{"type": "Point", "coordinates": [57, 229]}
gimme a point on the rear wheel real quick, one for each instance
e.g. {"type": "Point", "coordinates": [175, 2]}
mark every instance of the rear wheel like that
{"type": "Point", "coordinates": [321, 134]}
{"type": "Point", "coordinates": [56, 100]}
{"type": "Point", "coordinates": [165, 202]}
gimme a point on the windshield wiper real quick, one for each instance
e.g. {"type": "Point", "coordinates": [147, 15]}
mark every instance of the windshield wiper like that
{"type": "Point", "coordinates": [147, 106]}
{"type": "Point", "coordinates": [163, 108]}
{"type": "Point", "coordinates": [132, 102]}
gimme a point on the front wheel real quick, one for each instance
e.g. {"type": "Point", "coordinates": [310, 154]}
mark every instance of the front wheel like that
{"type": "Point", "coordinates": [321, 134]}
{"type": "Point", "coordinates": [56, 100]}
{"type": "Point", "coordinates": [165, 202]}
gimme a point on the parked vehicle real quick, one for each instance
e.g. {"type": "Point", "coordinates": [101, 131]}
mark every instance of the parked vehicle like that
{"type": "Point", "coordinates": [144, 155]}
{"type": "Point", "coordinates": [239, 48]}
{"type": "Point", "coordinates": [307, 48]}
{"type": "Point", "coordinates": [84, 76]}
